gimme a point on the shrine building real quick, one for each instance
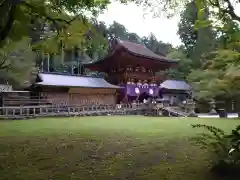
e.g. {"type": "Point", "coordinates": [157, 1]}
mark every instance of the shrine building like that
{"type": "Point", "coordinates": [131, 76]}
{"type": "Point", "coordinates": [69, 90]}
{"type": "Point", "coordinates": [133, 67]}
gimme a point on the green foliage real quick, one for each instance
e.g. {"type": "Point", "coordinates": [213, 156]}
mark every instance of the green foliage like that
{"type": "Point", "coordinates": [75, 35]}
{"type": "Point", "coordinates": [219, 9]}
{"type": "Point", "coordinates": [18, 63]}
{"type": "Point", "coordinates": [117, 30]}
{"type": "Point", "coordinates": [197, 41]}
{"type": "Point", "coordinates": [209, 31]}
{"type": "Point", "coordinates": [215, 72]}
{"type": "Point", "coordinates": [186, 31]}
{"type": "Point", "coordinates": [230, 35]}
{"type": "Point", "coordinates": [55, 25]}
{"type": "Point", "coordinates": [96, 44]}
{"type": "Point", "coordinates": [184, 66]}
{"type": "Point", "coordinates": [225, 147]}
{"type": "Point", "coordinates": [219, 77]}
{"type": "Point", "coordinates": [156, 46]}
{"type": "Point", "coordinates": [67, 18]}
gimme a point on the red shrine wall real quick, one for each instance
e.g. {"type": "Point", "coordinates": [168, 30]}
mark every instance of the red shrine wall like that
{"type": "Point", "coordinates": [136, 74]}
{"type": "Point", "coordinates": [125, 68]}
{"type": "Point", "coordinates": [80, 96]}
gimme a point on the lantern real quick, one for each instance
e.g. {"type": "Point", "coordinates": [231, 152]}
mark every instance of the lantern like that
{"type": "Point", "coordinates": [150, 91]}
{"type": "Point", "coordinates": [137, 91]}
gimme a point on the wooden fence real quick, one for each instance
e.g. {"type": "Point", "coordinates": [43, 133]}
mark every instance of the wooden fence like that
{"type": "Point", "coordinates": [20, 112]}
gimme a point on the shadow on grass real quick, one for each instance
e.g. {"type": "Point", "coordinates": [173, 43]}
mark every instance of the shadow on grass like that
{"type": "Point", "coordinates": [102, 157]}
{"type": "Point", "coordinates": [226, 171]}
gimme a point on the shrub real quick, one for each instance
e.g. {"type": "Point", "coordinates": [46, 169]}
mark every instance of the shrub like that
{"type": "Point", "coordinates": [225, 148]}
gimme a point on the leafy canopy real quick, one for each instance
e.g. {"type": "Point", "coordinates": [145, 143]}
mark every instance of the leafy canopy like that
{"type": "Point", "coordinates": [69, 19]}
{"type": "Point", "coordinates": [184, 65]}
{"type": "Point", "coordinates": [218, 9]}
{"type": "Point", "coordinates": [220, 76]}
{"type": "Point", "coordinates": [17, 63]}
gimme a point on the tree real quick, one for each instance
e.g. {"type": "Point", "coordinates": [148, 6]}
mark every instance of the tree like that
{"type": "Point", "coordinates": [53, 26]}
{"type": "Point", "coordinates": [184, 65]}
{"type": "Point", "coordinates": [133, 37]}
{"type": "Point", "coordinates": [219, 77]}
{"type": "Point", "coordinates": [186, 30]}
{"type": "Point", "coordinates": [229, 36]}
{"type": "Point", "coordinates": [156, 46]}
{"type": "Point", "coordinates": [17, 63]}
{"type": "Point", "coordinates": [117, 30]}
{"type": "Point", "coordinates": [17, 14]}
{"type": "Point", "coordinates": [225, 8]}
{"type": "Point", "coordinates": [96, 46]}
{"type": "Point", "coordinates": [196, 41]}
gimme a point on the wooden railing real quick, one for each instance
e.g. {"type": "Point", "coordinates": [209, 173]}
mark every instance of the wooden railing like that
{"type": "Point", "coordinates": [24, 101]}
{"type": "Point", "coordinates": [41, 111]}
{"type": "Point", "coordinates": [29, 102]}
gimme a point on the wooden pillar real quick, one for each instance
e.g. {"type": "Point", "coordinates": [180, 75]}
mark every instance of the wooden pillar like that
{"type": "Point", "coordinates": [34, 111]}
{"type": "Point", "coordinates": [2, 99]}
{"type": "Point", "coordinates": [21, 110]}
{"type": "Point", "coordinates": [14, 112]}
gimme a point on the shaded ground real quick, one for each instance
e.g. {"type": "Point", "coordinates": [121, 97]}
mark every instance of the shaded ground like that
{"type": "Point", "coordinates": [104, 148]}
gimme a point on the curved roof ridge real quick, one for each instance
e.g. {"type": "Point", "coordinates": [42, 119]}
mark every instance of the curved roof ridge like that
{"type": "Point", "coordinates": [142, 50]}
{"type": "Point", "coordinates": [69, 74]}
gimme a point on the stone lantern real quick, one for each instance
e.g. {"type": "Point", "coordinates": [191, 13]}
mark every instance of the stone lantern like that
{"type": "Point", "coordinates": [213, 106]}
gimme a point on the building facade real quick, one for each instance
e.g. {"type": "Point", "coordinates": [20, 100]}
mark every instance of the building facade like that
{"type": "Point", "coordinates": [128, 73]}
{"type": "Point", "coordinates": [134, 68]}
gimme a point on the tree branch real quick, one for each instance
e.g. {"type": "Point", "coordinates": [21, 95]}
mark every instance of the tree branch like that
{"type": "Point", "coordinates": [229, 10]}
{"type": "Point", "coordinates": [43, 14]}
{"type": "Point", "coordinates": [2, 3]}
{"type": "Point", "coordinates": [216, 3]}
{"type": "Point", "coordinates": [4, 65]}
{"type": "Point", "coordinates": [33, 9]}
{"type": "Point", "coordinates": [55, 21]}
{"type": "Point", "coordinates": [6, 29]}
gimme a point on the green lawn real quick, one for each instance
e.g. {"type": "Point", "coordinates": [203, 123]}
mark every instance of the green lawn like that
{"type": "Point", "coordinates": [104, 148]}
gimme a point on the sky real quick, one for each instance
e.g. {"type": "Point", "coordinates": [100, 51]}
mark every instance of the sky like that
{"type": "Point", "coordinates": [134, 18]}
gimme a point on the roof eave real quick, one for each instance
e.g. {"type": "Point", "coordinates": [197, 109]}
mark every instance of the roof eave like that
{"type": "Point", "coordinates": [104, 58]}
{"type": "Point", "coordinates": [152, 58]}
{"type": "Point", "coordinates": [174, 89]}
{"type": "Point", "coordinates": [49, 85]}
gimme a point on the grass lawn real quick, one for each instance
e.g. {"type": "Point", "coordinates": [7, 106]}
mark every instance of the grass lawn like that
{"type": "Point", "coordinates": [104, 148]}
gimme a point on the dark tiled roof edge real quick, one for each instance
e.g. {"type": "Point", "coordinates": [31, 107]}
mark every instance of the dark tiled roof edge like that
{"type": "Point", "coordinates": [65, 80]}
{"type": "Point", "coordinates": [121, 45]}
{"type": "Point", "coordinates": [152, 58]}
{"type": "Point", "coordinates": [142, 51]}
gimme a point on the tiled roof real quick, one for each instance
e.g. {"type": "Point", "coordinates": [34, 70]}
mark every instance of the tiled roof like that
{"type": "Point", "coordinates": [60, 80]}
{"type": "Point", "coordinates": [141, 50]}
{"type": "Point", "coordinates": [136, 50]}
{"type": "Point", "coordinates": [175, 85]}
